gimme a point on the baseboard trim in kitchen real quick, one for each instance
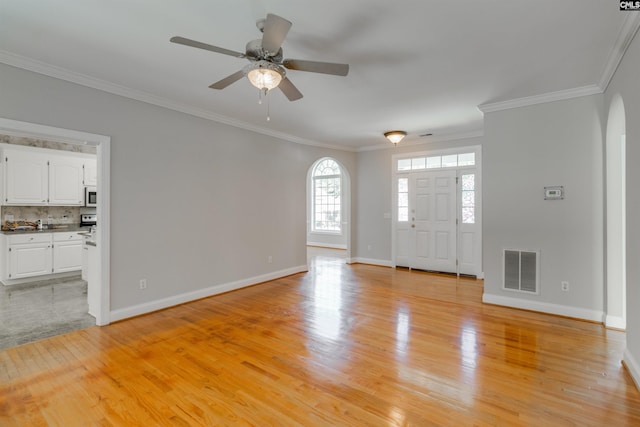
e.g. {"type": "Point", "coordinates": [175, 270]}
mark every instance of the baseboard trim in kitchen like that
{"type": "Point", "coordinates": [148, 307]}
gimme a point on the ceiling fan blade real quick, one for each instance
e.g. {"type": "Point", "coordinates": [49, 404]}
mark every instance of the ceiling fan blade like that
{"type": "Point", "coordinates": [200, 45]}
{"type": "Point", "coordinates": [228, 80]}
{"type": "Point", "coordinates": [289, 90]}
{"type": "Point", "coordinates": [274, 32]}
{"type": "Point", "coordinates": [317, 67]}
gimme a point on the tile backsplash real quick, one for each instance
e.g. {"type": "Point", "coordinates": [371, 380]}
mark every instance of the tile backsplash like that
{"type": "Point", "coordinates": [43, 143]}
{"type": "Point", "coordinates": [53, 215]}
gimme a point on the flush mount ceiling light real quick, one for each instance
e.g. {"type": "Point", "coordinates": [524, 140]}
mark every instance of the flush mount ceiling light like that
{"type": "Point", "coordinates": [395, 136]}
{"type": "Point", "coordinates": [264, 75]}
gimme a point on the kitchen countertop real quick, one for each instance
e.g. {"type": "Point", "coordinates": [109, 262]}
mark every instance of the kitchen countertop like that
{"type": "Point", "coordinates": [60, 229]}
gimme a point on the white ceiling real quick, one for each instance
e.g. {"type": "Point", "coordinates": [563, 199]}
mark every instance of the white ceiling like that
{"type": "Point", "coordinates": [423, 66]}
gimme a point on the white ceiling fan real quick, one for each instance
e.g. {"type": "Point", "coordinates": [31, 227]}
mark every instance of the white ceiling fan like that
{"type": "Point", "coordinates": [266, 69]}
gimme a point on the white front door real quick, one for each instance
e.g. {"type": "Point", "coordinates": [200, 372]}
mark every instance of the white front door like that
{"type": "Point", "coordinates": [431, 225]}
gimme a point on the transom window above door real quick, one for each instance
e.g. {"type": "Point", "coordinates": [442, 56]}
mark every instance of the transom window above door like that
{"type": "Point", "coordinates": [437, 162]}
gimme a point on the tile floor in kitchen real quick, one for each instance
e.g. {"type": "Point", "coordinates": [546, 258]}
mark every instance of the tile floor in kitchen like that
{"type": "Point", "coordinates": [36, 310]}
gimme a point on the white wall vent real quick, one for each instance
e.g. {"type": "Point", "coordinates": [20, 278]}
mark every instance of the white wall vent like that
{"type": "Point", "coordinates": [521, 270]}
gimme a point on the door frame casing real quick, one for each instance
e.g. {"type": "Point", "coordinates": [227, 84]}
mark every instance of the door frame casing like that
{"type": "Point", "coordinates": [477, 168]}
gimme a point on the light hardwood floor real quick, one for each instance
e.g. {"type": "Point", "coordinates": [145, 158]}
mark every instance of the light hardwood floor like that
{"type": "Point", "coordinates": [338, 346]}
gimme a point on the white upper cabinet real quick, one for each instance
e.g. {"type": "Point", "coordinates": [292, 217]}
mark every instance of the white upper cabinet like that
{"type": "Point", "coordinates": [27, 177]}
{"type": "Point", "coordinates": [65, 181]}
{"type": "Point", "coordinates": [36, 176]}
{"type": "Point", "coordinates": [91, 172]}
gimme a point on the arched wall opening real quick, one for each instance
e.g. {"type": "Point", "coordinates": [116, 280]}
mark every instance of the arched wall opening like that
{"type": "Point", "coordinates": [333, 240]}
{"type": "Point", "coordinates": [615, 298]}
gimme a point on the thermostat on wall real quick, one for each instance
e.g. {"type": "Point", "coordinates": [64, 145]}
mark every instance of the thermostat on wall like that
{"type": "Point", "coordinates": [554, 193]}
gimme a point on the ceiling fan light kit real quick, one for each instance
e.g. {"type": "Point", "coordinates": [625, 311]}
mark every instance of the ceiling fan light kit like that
{"type": "Point", "coordinates": [264, 75]}
{"type": "Point", "coordinates": [395, 136]}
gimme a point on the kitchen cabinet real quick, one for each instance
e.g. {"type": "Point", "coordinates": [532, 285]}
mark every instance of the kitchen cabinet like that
{"type": "Point", "coordinates": [37, 176]}
{"type": "Point", "coordinates": [39, 254]}
{"type": "Point", "coordinates": [90, 170]}
{"type": "Point", "coordinates": [67, 252]}
{"type": "Point", "coordinates": [66, 175]}
{"type": "Point", "coordinates": [27, 178]}
{"type": "Point", "coordinates": [29, 255]}
{"type": "Point", "coordinates": [85, 259]}
{"type": "Point", "coordinates": [93, 279]}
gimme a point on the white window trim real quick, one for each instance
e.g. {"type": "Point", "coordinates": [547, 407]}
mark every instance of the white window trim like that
{"type": "Point", "coordinates": [313, 202]}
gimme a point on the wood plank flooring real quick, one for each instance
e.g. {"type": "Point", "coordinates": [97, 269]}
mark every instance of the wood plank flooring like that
{"type": "Point", "coordinates": [338, 346]}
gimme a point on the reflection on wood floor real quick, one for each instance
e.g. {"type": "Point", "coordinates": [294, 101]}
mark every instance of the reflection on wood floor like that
{"type": "Point", "coordinates": [317, 255]}
{"type": "Point", "coordinates": [344, 345]}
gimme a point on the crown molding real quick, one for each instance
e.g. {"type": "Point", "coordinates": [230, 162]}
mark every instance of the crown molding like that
{"type": "Point", "coordinates": [540, 99]}
{"type": "Point", "coordinates": [626, 34]}
{"type": "Point", "coordinates": [126, 92]}
{"type": "Point", "coordinates": [427, 140]}
{"type": "Point", "coordinates": [628, 30]}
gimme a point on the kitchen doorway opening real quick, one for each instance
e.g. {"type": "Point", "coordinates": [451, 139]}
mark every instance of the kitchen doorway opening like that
{"type": "Point", "coordinates": [328, 211]}
{"type": "Point", "coordinates": [103, 151]}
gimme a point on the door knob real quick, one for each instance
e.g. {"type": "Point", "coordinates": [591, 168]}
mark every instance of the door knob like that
{"type": "Point", "coordinates": [413, 226]}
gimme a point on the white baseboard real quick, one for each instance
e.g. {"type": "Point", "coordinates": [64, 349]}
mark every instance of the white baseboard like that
{"type": "Point", "coordinates": [327, 245]}
{"type": "Point", "coordinates": [148, 307]}
{"type": "Point", "coordinates": [381, 262]}
{"type": "Point", "coordinates": [615, 322]}
{"type": "Point", "coordinates": [11, 282]}
{"type": "Point", "coordinates": [544, 307]}
{"type": "Point", "coordinates": [632, 367]}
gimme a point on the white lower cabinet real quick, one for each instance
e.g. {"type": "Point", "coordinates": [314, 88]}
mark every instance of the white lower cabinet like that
{"type": "Point", "coordinates": [67, 252]}
{"type": "Point", "coordinates": [39, 254]}
{"type": "Point", "coordinates": [29, 255]}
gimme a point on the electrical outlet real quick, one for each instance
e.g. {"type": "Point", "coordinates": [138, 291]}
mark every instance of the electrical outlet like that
{"type": "Point", "coordinates": [368, 247]}
{"type": "Point", "coordinates": [143, 283]}
{"type": "Point", "coordinates": [269, 259]}
{"type": "Point", "coordinates": [564, 286]}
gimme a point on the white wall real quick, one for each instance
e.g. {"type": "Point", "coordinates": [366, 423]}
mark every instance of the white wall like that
{"type": "Point", "coordinates": [526, 149]}
{"type": "Point", "coordinates": [625, 83]}
{"type": "Point", "coordinates": [194, 203]}
{"type": "Point", "coordinates": [374, 198]}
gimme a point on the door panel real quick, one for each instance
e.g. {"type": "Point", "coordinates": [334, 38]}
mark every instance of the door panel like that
{"type": "Point", "coordinates": [466, 247]}
{"type": "Point", "coordinates": [432, 233]}
{"type": "Point", "coordinates": [422, 244]}
{"type": "Point", "coordinates": [442, 245]}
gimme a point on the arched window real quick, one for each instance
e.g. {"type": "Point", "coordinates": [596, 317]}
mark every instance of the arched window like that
{"type": "Point", "coordinates": [326, 197]}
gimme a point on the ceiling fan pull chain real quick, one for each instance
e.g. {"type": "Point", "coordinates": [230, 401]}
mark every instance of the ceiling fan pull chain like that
{"type": "Point", "coordinates": [266, 93]}
{"type": "Point", "coordinates": [259, 97]}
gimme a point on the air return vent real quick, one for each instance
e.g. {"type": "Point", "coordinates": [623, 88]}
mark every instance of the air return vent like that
{"type": "Point", "coordinates": [521, 270]}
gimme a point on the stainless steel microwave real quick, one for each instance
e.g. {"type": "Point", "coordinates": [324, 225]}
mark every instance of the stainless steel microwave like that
{"type": "Point", "coordinates": [90, 196]}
